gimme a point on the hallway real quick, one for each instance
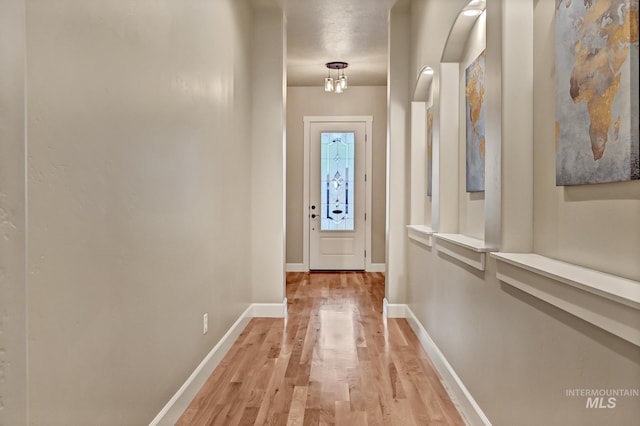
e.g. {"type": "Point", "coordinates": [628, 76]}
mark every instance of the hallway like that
{"type": "Point", "coordinates": [336, 360]}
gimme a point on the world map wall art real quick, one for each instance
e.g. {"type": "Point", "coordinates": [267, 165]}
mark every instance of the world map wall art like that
{"type": "Point", "coordinates": [596, 91]}
{"type": "Point", "coordinates": [475, 121]}
{"type": "Point", "coordinates": [429, 152]}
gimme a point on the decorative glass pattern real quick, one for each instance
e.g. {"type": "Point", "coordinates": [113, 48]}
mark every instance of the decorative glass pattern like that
{"type": "Point", "coordinates": [337, 151]}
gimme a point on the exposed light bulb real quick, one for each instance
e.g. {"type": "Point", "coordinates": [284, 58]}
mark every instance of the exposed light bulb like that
{"type": "Point", "coordinates": [343, 81]}
{"type": "Point", "coordinates": [328, 84]}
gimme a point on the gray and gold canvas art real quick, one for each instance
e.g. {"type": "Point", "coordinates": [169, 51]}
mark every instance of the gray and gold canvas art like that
{"type": "Point", "coordinates": [475, 123]}
{"type": "Point", "coordinates": [596, 91]}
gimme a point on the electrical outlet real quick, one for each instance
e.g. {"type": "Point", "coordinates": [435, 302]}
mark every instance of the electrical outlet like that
{"type": "Point", "coordinates": [205, 323]}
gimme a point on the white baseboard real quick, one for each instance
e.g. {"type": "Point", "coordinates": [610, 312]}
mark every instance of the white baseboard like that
{"type": "Point", "coordinates": [458, 392]}
{"type": "Point", "coordinates": [172, 411]}
{"type": "Point", "coordinates": [377, 267]}
{"type": "Point", "coordinates": [393, 310]}
{"type": "Point", "coordinates": [297, 267]}
{"type": "Point", "coordinates": [269, 310]}
{"type": "Point", "coordinates": [301, 267]}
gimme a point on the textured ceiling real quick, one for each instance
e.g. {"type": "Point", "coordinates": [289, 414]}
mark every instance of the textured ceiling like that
{"type": "Point", "coordinates": [320, 31]}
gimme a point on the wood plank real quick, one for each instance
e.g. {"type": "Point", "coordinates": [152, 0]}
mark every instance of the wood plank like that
{"type": "Point", "coordinates": [297, 410]}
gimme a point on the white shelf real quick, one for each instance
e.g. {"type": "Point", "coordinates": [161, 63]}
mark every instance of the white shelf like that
{"type": "Point", "coordinates": [612, 287]}
{"type": "Point", "coordinates": [465, 241]}
{"type": "Point", "coordinates": [469, 250]}
{"type": "Point", "coordinates": [607, 301]}
{"type": "Point", "coordinates": [421, 234]}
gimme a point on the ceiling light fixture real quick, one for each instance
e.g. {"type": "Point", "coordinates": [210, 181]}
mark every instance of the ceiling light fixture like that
{"type": "Point", "coordinates": [340, 83]}
{"type": "Point", "coordinates": [474, 8]}
{"type": "Point", "coordinates": [472, 12]}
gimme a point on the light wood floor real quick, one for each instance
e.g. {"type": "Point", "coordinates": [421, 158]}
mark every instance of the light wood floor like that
{"type": "Point", "coordinates": [336, 360]}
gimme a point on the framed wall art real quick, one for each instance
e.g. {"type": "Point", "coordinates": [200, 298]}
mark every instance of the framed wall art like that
{"type": "Point", "coordinates": [596, 128]}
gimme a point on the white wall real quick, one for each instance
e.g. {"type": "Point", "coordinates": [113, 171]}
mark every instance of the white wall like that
{"type": "Point", "coordinates": [516, 354]}
{"type": "Point", "coordinates": [398, 150]}
{"type": "Point", "coordinates": [140, 183]}
{"type": "Point", "coordinates": [13, 280]}
{"type": "Point", "coordinates": [422, 40]}
{"type": "Point", "coordinates": [268, 175]}
{"type": "Point", "coordinates": [357, 100]}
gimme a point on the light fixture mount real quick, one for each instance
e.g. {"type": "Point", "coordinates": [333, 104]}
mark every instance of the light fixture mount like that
{"type": "Point", "coordinates": [337, 65]}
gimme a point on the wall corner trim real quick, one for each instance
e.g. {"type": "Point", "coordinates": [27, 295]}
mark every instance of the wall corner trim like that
{"type": "Point", "coordinates": [393, 310]}
{"type": "Point", "coordinates": [297, 267]}
{"type": "Point", "coordinates": [458, 392]}
{"type": "Point", "coordinates": [172, 411]}
{"type": "Point", "coordinates": [377, 267]}
{"type": "Point", "coordinates": [269, 310]}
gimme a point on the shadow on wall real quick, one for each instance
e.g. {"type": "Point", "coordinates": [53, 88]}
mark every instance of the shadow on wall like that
{"type": "Point", "coordinates": [469, 269]}
{"type": "Point", "coordinates": [621, 347]}
{"type": "Point", "coordinates": [606, 191]}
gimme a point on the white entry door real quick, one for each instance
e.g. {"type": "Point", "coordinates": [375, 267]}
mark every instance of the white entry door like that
{"type": "Point", "coordinates": [337, 196]}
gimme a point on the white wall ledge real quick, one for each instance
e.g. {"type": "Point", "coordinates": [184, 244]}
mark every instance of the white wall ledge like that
{"type": "Point", "coordinates": [421, 234]}
{"type": "Point", "coordinates": [612, 287]}
{"type": "Point", "coordinates": [469, 250]}
{"type": "Point", "coordinates": [607, 301]}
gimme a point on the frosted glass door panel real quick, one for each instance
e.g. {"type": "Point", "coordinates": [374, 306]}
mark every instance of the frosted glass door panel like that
{"type": "Point", "coordinates": [337, 189]}
{"type": "Point", "coordinates": [337, 162]}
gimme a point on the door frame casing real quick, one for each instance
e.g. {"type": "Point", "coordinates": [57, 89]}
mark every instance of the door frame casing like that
{"type": "Point", "coordinates": [368, 121]}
